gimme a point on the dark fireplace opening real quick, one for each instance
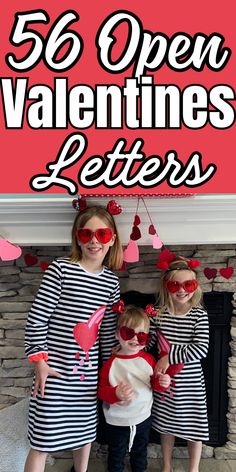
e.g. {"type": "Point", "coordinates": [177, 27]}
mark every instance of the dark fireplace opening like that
{"type": "Point", "coordinates": [215, 366]}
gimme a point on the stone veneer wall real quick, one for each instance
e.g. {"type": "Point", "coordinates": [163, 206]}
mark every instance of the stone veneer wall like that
{"type": "Point", "coordinates": [19, 284]}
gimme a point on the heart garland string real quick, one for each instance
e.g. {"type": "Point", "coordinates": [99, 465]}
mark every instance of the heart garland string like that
{"type": "Point", "coordinates": [156, 242]}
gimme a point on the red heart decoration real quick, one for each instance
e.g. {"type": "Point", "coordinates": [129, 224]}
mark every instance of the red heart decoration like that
{"type": "Point", "coordinates": [44, 265]}
{"type": "Point", "coordinates": [151, 229]}
{"type": "Point", "coordinates": [85, 336]}
{"type": "Point", "coordinates": [210, 273]}
{"type": "Point", "coordinates": [137, 220]}
{"type": "Point", "coordinates": [165, 257]}
{"type": "Point", "coordinates": [113, 208]}
{"type": "Point", "coordinates": [135, 235]}
{"type": "Point", "coordinates": [226, 272]}
{"type": "Point", "coordinates": [30, 260]}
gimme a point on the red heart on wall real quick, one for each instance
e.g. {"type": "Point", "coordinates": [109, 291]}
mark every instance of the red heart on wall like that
{"type": "Point", "coordinates": [210, 273]}
{"type": "Point", "coordinates": [226, 272]}
{"type": "Point", "coordinates": [135, 235]}
{"type": "Point", "coordinates": [30, 260]}
{"type": "Point", "coordinates": [44, 265]}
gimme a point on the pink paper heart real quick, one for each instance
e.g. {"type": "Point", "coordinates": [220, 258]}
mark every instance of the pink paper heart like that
{"type": "Point", "coordinates": [226, 272]}
{"type": "Point", "coordinates": [151, 229]}
{"type": "Point", "coordinates": [136, 234]}
{"type": "Point", "coordinates": [9, 251]}
{"type": "Point", "coordinates": [156, 242]}
{"type": "Point", "coordinates": [210, 273]}
{"type": "Point", "coordinates": [131, 253]}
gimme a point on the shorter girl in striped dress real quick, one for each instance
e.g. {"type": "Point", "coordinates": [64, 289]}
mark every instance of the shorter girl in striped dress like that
{"type": "Point", "coordinates": [183, 323]}
{"type": "Point", "coordinates": [69, 321]}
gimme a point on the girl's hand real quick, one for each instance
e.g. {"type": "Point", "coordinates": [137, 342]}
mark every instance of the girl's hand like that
{"type": "Point", "coordinates": [124, 391]}
{"type": "Point", "coordinates": [162, 365]}
{"type": "Point", "coordinates": [164, 380]}
{"type": "Point", "coordinates": [42, 370]}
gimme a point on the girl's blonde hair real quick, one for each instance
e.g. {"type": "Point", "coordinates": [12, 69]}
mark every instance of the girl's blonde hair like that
{"type": "Point", "coordinates": [132, 317]}
{"type": "Point", "coordinates": [114, 256]}
{"type": "Point", "coordinates": [164, 299]}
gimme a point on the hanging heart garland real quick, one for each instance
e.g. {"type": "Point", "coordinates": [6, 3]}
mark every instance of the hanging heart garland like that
{"type": "Point", "coordinates": [156, 241]}
{"type": "Point", "coordinates": [131, 253]}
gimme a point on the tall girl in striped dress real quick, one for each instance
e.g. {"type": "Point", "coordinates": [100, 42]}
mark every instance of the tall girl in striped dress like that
{"type": "Point", "coordinates": [182, 411]}
{"type": "Point", "coordinates": [70, 320]}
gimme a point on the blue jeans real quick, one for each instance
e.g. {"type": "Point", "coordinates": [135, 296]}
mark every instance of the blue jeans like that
{"type": "Point", "coordinates": [118, 441]}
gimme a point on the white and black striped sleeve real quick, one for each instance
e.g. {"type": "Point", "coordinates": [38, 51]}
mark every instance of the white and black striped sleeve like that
{"type": "Point", "coordinates": [108, 325]}
{"type": "Point", "coordinates": [197, 349]}
{"type": "Point", "coordinates": [41, 310]}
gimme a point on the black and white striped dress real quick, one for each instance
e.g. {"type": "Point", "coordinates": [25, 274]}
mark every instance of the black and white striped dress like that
{"type": "Point", "coordinates": [66, 418]}
{"type": "Point", "coordinates": [182, 411]}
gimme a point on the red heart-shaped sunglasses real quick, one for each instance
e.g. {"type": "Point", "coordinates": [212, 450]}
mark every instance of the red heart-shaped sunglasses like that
{"type": "Point", "coordinates": [188, 285]}
{"type": "Point", "coordinates": [129, 333]}
{"type": "Point", "coordinates": [103, 235]}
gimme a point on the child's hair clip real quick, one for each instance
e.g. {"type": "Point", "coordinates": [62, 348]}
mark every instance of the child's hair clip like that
{"type": "Point", "coordinates": [150, 310]}
{"type": "Point", "coordinates": [118, 307]}
{"type": "Point", "coordinates": [114, 208]}
{"type": "Point", "coordinates": [79, 204]}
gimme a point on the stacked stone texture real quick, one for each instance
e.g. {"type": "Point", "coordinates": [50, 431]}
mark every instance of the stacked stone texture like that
{"type": "Point", "coordinates": [19, 284]}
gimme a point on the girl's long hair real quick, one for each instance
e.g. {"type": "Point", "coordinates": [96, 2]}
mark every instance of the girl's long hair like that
{"type": "Point", "coordinates": [114, 256]}
{"type": "Point", "coordinates": [164, 299]}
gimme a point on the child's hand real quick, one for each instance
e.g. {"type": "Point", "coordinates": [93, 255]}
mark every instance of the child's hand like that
{"type": "Point", "coordinates": [164, 380]}
{"type": "Point", "coordinates": [42, 371]}
{"type": "Point", "coordinates": [124, 391]}
{"type": "Point", "coordinates": [162, 365]}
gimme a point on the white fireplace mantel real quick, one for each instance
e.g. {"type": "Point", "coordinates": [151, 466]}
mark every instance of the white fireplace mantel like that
{"type": "Point", "coordinates": [47, 220]}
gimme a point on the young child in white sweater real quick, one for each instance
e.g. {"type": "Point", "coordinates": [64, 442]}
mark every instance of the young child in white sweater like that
{"type": "Point", "coordinates": [125, 386]}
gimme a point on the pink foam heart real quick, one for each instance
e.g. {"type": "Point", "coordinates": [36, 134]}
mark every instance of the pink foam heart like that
{"type": "Point", "coordinates": [9, 251]}
{"type": "Point", "coordinates": [131, 253]}
{"type": "Point", "coordinates": [156, 242]}
{"type": "Point", "coordinates": [226, 272]}
{"type": "Point", "coordinates": [210, 273]}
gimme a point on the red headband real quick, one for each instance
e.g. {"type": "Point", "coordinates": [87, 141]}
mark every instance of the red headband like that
{"type": "Point", "coordinates": [166, 257]}
{"type": "Point", "coordinates": [119, 307]}
{"type": "Point", "coordinates": [80, 204]}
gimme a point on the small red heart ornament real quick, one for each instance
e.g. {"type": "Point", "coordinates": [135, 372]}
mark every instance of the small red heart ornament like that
{"type": "Point", "coordinates": [210, 273]}
{"type": "Point", "coordinates": [44, 265]}
{"type": "Point", "coordinates": [30, 260]}
{"type": "Point", "coordinates": [151, 230]}
{"type": "Point", "coordinates": [113, 208]}
{"type": "Point", "coordinates": [135, 235]}
{"type": "Point", "coordinates": [137, 220]}
{"type": "Point", "coordinates": [226, 272]}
